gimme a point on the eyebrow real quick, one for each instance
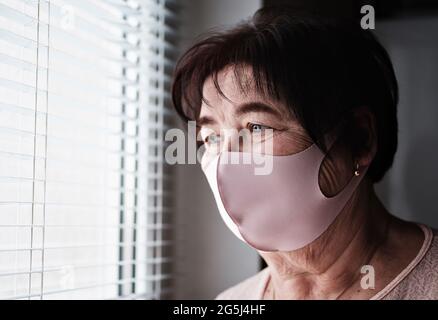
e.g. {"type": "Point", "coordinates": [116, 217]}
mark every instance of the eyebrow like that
{"type": "Point", "coordinates": [205, 120]}
{"type": "Point", "coordinates": [256, 107]}
{"type": "Point", "coordinates": [242, 109]}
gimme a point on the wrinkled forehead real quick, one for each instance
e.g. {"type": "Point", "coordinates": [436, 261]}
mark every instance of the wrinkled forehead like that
{"type": "Point", "coordinates": [235, 85]}
{"type": "Point", "coordinates": [231, 82]}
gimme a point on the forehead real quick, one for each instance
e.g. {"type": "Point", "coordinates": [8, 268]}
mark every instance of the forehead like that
{"type": "Point", "coordinates": [233, 87]}
{"type": "Point", "coordinates": [235, 90]}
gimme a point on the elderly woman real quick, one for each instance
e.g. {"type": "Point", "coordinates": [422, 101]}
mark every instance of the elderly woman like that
{"type": "Point", "coordinates": [323, 93]}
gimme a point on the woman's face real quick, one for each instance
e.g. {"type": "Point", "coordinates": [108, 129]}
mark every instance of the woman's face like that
{"type": "Point", "coordinates": [247, 112]}
{"type": "Point", "coordinates": [222, 118]}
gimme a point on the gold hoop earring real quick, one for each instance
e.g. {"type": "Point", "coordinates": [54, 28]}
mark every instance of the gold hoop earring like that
{"type": "Point", "coordinates": [356, 172]}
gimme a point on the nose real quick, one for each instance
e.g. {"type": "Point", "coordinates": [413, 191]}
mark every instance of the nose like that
{"type": "Point", "coordinates": [237, 141]}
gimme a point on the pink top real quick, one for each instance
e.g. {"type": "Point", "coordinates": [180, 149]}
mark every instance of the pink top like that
{"type": "Point", "coordinates": [418, 281]}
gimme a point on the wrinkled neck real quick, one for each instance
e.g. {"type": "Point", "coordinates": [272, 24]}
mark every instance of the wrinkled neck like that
{"type": "Point", "coordinates": [329, 265]}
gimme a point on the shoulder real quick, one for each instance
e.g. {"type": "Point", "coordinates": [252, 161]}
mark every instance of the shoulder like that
{"type": "Point", "coordinates": [249, 289]}
{"type": "Point", "coordinates": [427, 267]}
{"type": "Point", "coordinates": [422, 282]}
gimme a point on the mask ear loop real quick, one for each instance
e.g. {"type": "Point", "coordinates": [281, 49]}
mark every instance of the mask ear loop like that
{"type": "Point", "coordinates": [332, 142]}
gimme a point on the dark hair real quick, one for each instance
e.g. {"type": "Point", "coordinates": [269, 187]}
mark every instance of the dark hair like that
{"type": "Point", "coordinates": [321, 68]}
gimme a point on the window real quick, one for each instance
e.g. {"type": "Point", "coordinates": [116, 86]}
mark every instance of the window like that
{"type": "Point", "coordinates": [84, 201]}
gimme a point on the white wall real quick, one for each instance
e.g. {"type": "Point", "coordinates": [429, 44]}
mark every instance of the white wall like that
{"type": "Point", "coordinates": [212, 258]}
{"type": "Point", "coordinates": [410, 190]}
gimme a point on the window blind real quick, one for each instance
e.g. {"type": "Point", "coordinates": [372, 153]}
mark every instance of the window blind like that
{"type": "Point", "coordinates": [85, 207]}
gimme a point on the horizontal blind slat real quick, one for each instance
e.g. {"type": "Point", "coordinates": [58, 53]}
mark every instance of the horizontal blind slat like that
{"type": "Point", "coordinates": [78, 103]}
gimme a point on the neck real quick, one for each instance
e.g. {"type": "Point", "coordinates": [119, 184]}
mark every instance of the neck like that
{"type": "Point", "coordinates": [329, 266]}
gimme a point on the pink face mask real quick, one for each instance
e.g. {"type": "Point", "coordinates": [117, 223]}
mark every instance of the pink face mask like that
{"type": "Point", "coordinates": [281, 211]}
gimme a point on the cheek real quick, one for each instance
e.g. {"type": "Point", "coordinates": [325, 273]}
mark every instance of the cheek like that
{"type": "Point", "coordinates": [290, 142]}
{"type": "Point", "coordinates": [336, 169]}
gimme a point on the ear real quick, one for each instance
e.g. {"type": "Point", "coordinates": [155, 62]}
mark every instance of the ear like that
{"type": "Point", "coordinates": [366, 140]}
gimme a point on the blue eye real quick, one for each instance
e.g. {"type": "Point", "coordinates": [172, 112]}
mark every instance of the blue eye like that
{"type": "Point", "coordinates": [255, 127]}
{"type": "Point", "coordinates": [212, 139]}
